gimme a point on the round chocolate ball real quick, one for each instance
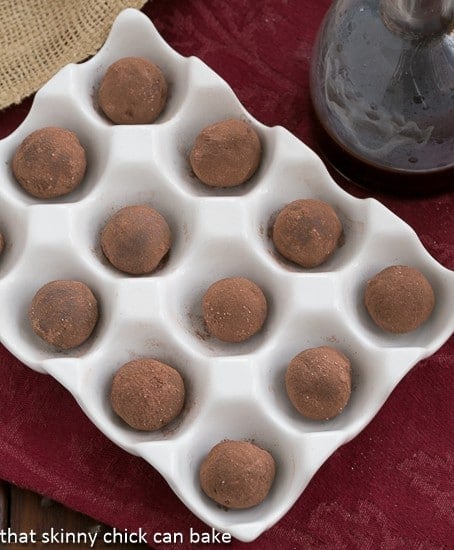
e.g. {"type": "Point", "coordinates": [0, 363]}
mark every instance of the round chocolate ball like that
{"type": "Point", "coordinates": [226, 153]}
{"type": "Point", "coordinates": [136, 239]}
{"type": "Point", "coordinates": [318, 382]}
{"type": "Point", "coordinates": [147, 394]}
{"type": "Point", "coordinates": [64, 313]}
{"type": "Point", "coordinates": [49, 163]}
{"type": "Point", "coordinates": [307, 232]}
{"type": "Point", "coordinates": [399, 299]}
{"type": "Point", "coordinates": [237, 474]}
{"type": "Point", "coordinates": [133, 91]}
{"type": "Point", "coordinates": [234, 309]}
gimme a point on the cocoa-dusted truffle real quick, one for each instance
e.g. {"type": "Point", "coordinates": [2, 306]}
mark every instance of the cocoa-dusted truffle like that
{"type": "Point", "coordinates": [307, 232]}
{"type": "Point", "coordinates": [226, 153]}
{"type": "Point", "coordinates": [133, 91]}
{"type": "Point", "coordinates": [399, 299]}
{"type": "Point", "coordinates": [136, 239]}
{"type": "Point", "coordinates": [234, 309]}
{"type": "Point", "coordinates": [237, 474]}
{"type": "Point", "coordinates": [49, 163]}
{"type": "Point", "coordinates": [147, 394]}
{"type": "Point", "coordinates": [64, 313]}
{"type": "Point", "coordinates": [318, 382]}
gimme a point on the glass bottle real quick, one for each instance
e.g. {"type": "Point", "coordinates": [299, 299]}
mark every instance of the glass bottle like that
{"type": "Point", "coordinates": [382, 88]}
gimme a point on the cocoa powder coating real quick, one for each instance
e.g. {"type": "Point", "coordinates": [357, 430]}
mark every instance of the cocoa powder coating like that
{"type": "Point", "coordinates": [133, 91]}
{"type": "Point", "coordinates": [234, 309]}
{"type": "Point", "coordinates": [318, 382]}
{"type": "Point", "coordinates": [237, 474]}
{"type": "Point", "coordinates": [226, 153]}
{"type": "Point", "coordinates": [399, 299]}
{"type": "Point", "coordinates": [307, 232]}
{"type": "Point", "coordinates": [64, 313]}
{"type": "Point", "coordinates": [147, 394]}
{"type": "Point", "coordinates": [136, 239]}
{"type": "Point", "coordinates": [49, 163]}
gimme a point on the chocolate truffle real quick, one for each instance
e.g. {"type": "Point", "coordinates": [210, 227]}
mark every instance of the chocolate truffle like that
{"type": "Point", "coordinates": [307, 232]}
{"type": "Point", "coordinates": [234, 309]}
{"type": "Point", "coordinates": [64, 313]}
{"type": "Point", "coordinates": [147, 394]}
{"type": "Point", "coordinates": [133, 91]}
{"type": "Point", "coordinates": [399, 299]}
{"type": "Point", "coordinates": [237, 474]}
{"type": "Point", "coordinates": [226, 154]}
{"type": "Point", "coordinates": [49, 163]}
{"type": "Point", "coordinates": [136, 239]}
{"type": "Point", "coordinates": [318, 382]}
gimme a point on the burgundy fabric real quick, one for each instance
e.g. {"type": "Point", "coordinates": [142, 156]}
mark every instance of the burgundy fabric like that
{"type": "Point", "coordinates": [392, 486]}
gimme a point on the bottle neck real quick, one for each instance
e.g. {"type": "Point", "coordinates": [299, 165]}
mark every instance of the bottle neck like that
{"type": "Point", "coordinates": [418, 19]}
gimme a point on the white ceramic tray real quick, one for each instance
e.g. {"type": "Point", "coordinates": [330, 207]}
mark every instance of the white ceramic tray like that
{"type": "Point", "coordinates": [234, 391]}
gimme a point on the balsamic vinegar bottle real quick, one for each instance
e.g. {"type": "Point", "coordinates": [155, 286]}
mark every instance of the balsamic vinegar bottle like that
{"type": "Point", "coordinates": [382, 88]}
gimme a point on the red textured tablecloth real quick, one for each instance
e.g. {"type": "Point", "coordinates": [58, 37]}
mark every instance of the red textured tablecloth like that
{"type": "Point", "coordinates": [392, 486]}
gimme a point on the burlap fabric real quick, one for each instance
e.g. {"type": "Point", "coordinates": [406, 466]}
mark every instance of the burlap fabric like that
{"type": "Point", "coordinates": [38, 37]}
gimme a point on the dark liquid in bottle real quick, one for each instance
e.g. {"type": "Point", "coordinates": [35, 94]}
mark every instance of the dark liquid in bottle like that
{"type": "Point", "coordinates": [363, 172]}
{"type": "Point", "coordinates": [384, 101]}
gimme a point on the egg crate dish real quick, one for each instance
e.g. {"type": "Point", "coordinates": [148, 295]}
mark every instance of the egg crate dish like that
{"type": "Point", "coordinates": [234, 391]}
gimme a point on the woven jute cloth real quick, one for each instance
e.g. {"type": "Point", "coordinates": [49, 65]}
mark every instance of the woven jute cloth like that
{"type": "Point", "coordinates": [39, 37]}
